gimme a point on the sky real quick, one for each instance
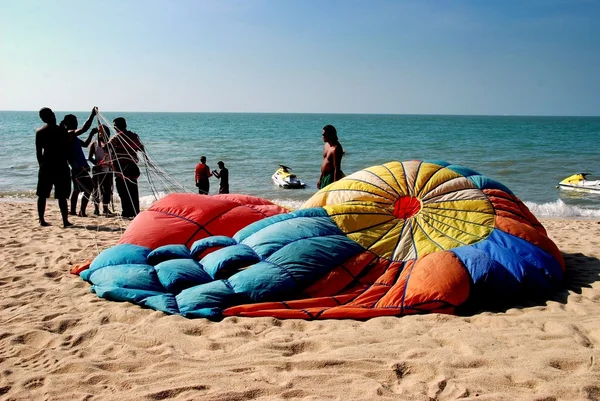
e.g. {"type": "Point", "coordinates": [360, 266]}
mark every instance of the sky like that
{"type": "Point", "coordinates": [482, 57]}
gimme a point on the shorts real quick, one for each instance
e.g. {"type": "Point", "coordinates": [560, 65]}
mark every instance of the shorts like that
{"type": "Point", "coordinates": [59, 178]}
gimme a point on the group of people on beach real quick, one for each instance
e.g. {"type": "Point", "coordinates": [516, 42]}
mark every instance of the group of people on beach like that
{"type": "Point", "coordinates": [61, 160]}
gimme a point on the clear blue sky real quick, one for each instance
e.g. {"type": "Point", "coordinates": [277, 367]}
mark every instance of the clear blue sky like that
{"type": "Point", "coordinates": [532, 57]}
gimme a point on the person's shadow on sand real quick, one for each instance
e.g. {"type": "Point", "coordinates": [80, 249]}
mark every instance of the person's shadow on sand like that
{"type": "Point", "coordinates": [581, 272]}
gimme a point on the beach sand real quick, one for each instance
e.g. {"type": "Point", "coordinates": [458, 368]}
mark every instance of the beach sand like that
{"type": "Point", "coordinates": [58, 341]}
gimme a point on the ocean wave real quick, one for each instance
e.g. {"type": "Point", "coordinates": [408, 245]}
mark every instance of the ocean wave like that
{"type": "Point", "coordinates": [556, 209]}
{"type": "Point", "coordinates": [561, 209]}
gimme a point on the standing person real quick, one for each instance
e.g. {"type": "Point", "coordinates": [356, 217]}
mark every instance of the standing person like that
{"type": "Point", "coordinates": [80, 170]}
{"type": "Point", "coordinates": [202, 174]}
{"type": "Point", "coordinates": [223, 174]}
{"type": "Point", "coordinates": [102, 174]}
{"type": "Point", "coordinates": [331, 168]}
{"type": "Point", "coordinates": [124, 147]}
{"type": "Point", "coordinates": [51, 149]}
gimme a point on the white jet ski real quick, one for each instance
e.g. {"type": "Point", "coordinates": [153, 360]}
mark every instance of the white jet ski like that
{"type": "Point", "coordinates": [285, 179]}
{"type": "Point", "coordinates": [578, 182]}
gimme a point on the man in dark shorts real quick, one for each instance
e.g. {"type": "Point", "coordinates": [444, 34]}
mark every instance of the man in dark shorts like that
{"type": "Point", "coordinates": [123, 148]}
{"type": "Point", "coordinates": [51, 144]}
{"type": "Point", "coordinates": [223, 174]}
{"type": "Point", "coordinates": [331, 168]}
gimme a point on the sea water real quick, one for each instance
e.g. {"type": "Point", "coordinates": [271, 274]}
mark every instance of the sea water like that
{"type": "Point", "coordinates": [529, 155]}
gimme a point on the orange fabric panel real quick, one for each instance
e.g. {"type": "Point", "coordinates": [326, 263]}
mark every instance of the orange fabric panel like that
{"type": "Point", "coordinates": [438, 276]}
{"type": "Point", "coordinates": [340, 277]}
{"type": "Point", "coordinates": [531, 235]}
{"type": "Point", "coordinates": [496, 195]}
{"type": "Point", "coordinates": [80, 267]}
{"type": "Point", "coordinates": [379, 288]}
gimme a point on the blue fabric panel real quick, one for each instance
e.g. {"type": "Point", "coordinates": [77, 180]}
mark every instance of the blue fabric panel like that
{"type": "Point", "coordinates": [120, 255]}
{"type": "Point", "coordinates": [163, 302]}
{"type": "Point", "coordinates": [529, 265]}
{"type": "Point", "coordinates": [204, 312]}
{"type": "Point", "coordinates": [490, 278]}
{"type": "Point", "coordinates": [264, 282]}
{"type": "Point", "coordinates": [250, 229]}
{"type": "Point", "coordinates": [224, 262]}
{"type": "Point", "coordinates": [203, 244]}
{"type": "Point", "coordinates": [141, 277]}
{"type": "Point", "coordinates": [216, 294]}
{"type": "Point", "coordinates": [484, 182]}
{"type": "Point", "coordinates": [243, 234]}
{"type": "Point", "coordinates": [272, 238]}
{"type": "Point", "coordinates": [122, 294]}
{"type": "Point", "coordinates": [166, 252]}
{"type": "Point", "coordinates": [438, 162]}
{"type": "Point", "coordinates": [309, 259]}
{"type": "Point", "coordinates": [464, 171]}
{"type": "Point", "coordinates": [178, 274]}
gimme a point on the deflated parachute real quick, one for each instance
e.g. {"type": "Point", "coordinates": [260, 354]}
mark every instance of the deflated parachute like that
{"type": "Point", "coordinates": [394, 239]}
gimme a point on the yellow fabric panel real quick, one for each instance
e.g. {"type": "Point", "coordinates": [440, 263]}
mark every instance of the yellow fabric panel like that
{"type": "Point", "coordinates": [393, 174]}
{"type": "Point", "coordinates": [380, 178]}
{"type": "Point", "coordinates": [458, 186]}
{"type": "Point", "coordinates": [430, 176]}
{"type": "Point", "coordinates": [367, 238]}
{"type": "Point", "coordinates": [437, 228]}
{"type": "Point", "coordinates": [475, 211]}
{"type": "Point", "coordinates": [466, 194]}
{"type": "Point", "coordinates": [437, 235]}
{"type": "Point", "coordinates": [466, 229]}
{"type": "Point", "coordinates": [351, 218]}
{"type": "Point", "coordinates": [387, 241]}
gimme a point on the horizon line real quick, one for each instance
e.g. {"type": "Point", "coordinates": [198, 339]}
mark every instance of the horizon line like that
{"type": "Point", "coordinates": [329, 113]}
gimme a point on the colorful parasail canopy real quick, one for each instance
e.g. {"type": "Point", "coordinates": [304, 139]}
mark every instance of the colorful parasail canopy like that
{"type": "Point", "coordinates": [394, 239]}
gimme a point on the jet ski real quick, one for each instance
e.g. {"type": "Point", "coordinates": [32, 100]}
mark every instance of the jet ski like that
{"type": "Point", "coordinates": [285, 179]}
{"type": "Point", "coordinates": [578, 182]}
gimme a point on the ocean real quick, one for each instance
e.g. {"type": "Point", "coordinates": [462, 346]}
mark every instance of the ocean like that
{"type": "Point", "coordinates": [529, 155]}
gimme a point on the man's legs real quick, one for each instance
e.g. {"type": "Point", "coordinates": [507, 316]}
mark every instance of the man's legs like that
{"type": "Point", "coordinates": [120, 182]}
{"type": "Point", "coordinates": [64, 211]}
{"type": "Point", "coordinates": [41, 206]}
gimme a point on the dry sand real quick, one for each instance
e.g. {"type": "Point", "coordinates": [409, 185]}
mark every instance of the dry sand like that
{"type": "Point", "coordinates": [58, 341]}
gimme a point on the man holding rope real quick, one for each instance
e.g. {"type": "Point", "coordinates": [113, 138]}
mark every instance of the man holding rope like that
{"type": "Point", "coordinates": [124, 147]}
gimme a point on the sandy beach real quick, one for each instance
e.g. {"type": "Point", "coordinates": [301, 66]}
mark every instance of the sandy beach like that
{"type": "Point", "coordinates": [58, 341]}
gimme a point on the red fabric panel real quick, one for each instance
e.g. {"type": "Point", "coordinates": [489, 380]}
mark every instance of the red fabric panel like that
{"type": "Point", "coordinates": [185, 218]}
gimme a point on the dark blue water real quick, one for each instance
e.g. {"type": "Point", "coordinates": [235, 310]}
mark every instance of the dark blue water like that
{"type": "Point", "coordinates": [530, 155]}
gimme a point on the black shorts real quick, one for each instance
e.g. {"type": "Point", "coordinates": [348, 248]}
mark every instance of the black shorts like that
{"type": "Point", "coordinates": [59, 178]}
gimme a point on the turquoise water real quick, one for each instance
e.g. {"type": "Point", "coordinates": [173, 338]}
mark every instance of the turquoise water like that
{"type": "Point", "coordinates": [530, 155]}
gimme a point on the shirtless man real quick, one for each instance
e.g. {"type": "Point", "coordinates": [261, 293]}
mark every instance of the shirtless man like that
{"type": "Point", "coordinates": [51, 144]}
{"type": "Point", "coordinates": [331, 169]}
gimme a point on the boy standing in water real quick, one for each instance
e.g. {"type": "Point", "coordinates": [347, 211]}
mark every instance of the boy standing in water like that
{"type": "Point", "coordinates": [51, 145]}
{"type": "Point", "coordinates": [331, 168]}
{"type": "Point", "coordinates": [223, 174]}
{"type": "Point", "coordinates": [202, 174]}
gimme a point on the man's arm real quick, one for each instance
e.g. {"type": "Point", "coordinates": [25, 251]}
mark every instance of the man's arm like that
{"type": "Point", "coordinates": [38, 148]}
{"type": "Point", "coordinates": [88, 123]}
{"type": "Point", "coordinates": [87, 142]}
{"type": "Point", "coordinates": [337, 162]}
